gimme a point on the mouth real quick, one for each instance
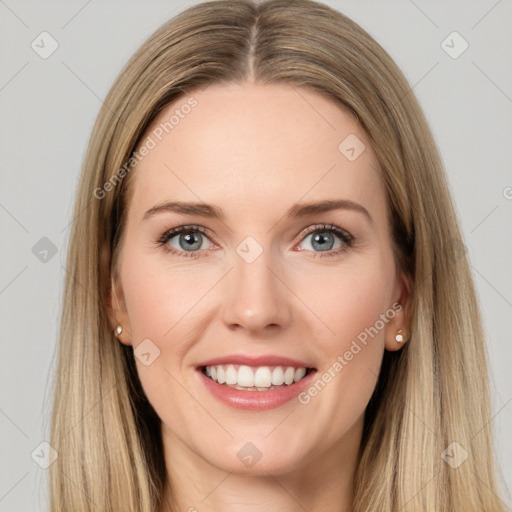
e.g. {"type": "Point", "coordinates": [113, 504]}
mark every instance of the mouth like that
{"type": "Point", "coordinates": [255, 378]}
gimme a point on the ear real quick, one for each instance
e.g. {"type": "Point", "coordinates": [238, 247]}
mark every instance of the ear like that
{"type": "Point", "coordinates": [401, 305]}
{"type": "Point", "coordinates": [117, 313]}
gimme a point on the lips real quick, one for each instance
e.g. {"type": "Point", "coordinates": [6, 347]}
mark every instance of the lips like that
{"type": "Point", "coordinates": [255, 361]}
{"type": "Point", "coordinates": [255, 382]}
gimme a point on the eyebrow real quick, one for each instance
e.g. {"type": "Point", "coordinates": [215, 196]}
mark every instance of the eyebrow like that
{"type": "Point", "coordinates": [297, 210]}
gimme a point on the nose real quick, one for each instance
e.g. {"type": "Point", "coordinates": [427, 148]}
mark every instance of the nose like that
{"type": "Point", "coordinates": [257, 299]}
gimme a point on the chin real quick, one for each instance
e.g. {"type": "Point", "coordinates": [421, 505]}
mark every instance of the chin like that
{"type": "Point", "coordinates": [257, 458]}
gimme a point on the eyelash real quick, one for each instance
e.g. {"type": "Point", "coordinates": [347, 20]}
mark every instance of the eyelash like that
{"type": "Point", "coordinates": [346, 238]}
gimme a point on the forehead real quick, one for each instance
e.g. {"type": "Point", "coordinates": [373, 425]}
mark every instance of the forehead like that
{"type": "Point", "coordinates": [255, 143]}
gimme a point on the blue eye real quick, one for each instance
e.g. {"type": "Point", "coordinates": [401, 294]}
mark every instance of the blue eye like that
{"type": "Point", "coordinates": [185, 239]}
{"type": "Point", "coordinates": [191, 241]}
{"type": "Point", "coordinates": [328, 239]}
{"type": "Point", "coordinates": [322, 240]}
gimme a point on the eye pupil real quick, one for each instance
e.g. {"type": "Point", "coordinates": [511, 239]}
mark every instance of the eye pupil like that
{"type": "Point", "coordinates": [192, 241]}
{"type": "Point", "coordinates": [323, 240]}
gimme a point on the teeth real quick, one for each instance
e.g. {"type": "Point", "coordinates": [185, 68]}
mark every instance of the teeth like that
{"type": "Point", "coordinates": [245, 377]}
{"type": "Point", "coordinates": [277, 376]}
{"type": "Point", "coordinates": [231, 375]}
{"type": "Point", "coordinates": [289, 374]}
{"type": "Point", "coordinates": [299, 373]}
{"type": "Point", "coordinates": [261, 378]}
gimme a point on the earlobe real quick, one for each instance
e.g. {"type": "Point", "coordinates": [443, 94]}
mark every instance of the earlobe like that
{"type": "Point", "coordinates": [398, 331]}
{"type": "Point", "coordinates": [118, 316]}
{"type": "Point", "coordinates": [396, 338]}
{"type": "Point", "coordinates": [401, 337]}
{"type": "Point", "coordinates": [122, 335]}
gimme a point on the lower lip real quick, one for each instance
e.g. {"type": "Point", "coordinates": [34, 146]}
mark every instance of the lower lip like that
{"type": "Point", "coordinates": [255, 400]}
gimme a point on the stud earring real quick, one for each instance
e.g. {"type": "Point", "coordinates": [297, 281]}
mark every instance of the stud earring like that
{"type": "Point", "coordinates": [119, 330]}
{"type": "Point", "coordinates": [399, 337]}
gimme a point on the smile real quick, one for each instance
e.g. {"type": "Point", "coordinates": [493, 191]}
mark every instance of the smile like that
{"type": "Point", "coordinates": [255, 378]}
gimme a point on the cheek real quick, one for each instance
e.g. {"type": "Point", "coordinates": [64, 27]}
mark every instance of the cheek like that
{"type": "Point", "coordinates": [354, 306]}
{"type": "Point", "coordinates": [159, 297]}
{"type": "Point", "coordinates": [162, 305]}
{"type": "Point", "coordinates": [349, 300]}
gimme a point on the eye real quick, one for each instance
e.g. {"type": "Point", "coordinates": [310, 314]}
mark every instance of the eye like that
{"type": "Point", "coordinates": [321, 239]}
{"type": "Point", "coordinates": [328, 239]}
{"type": "Point", "coordinates": [185, 239]}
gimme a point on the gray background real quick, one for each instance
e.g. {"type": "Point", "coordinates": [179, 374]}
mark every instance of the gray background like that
{"type": "Point", "coordinates": [47, 110]}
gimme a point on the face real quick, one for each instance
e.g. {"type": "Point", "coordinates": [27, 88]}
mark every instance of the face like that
{"type": "Point", "coordinates": [283, 267]}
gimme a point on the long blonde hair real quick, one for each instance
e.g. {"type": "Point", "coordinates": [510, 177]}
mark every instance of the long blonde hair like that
{"type": "Point", "coordinates": [430, 394]}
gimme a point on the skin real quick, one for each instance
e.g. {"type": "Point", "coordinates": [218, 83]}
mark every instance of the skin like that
{"type": "Point", "coordinates": [256, 150]}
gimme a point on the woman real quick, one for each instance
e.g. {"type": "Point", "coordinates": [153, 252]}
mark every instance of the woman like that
{"type": "Point", "coordinates": [267, 302]}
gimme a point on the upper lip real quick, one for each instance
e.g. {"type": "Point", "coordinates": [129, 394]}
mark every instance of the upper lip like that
{"type": "Point", "coordinates": [263, 360]}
